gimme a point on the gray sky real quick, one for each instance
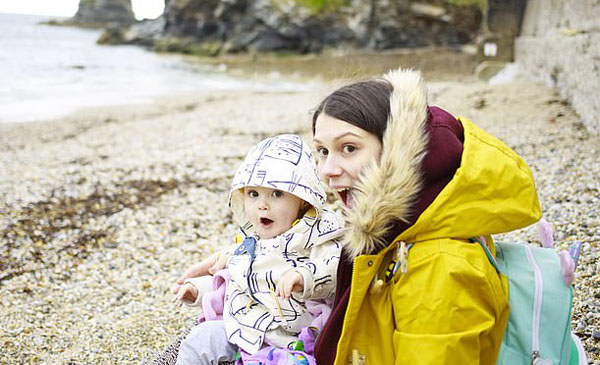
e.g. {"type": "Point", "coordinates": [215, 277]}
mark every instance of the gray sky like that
{"type": "Point", "coordinates": [142, 8]}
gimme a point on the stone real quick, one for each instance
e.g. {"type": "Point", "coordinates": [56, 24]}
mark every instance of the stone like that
{"type": "Point", "coordinates": [266, 25]}
{"type": "Point", "coordinates": [488, 69]}
{"type": "Point", "coordinates": [559, 46]}
{"type": "Point", "coordinates": [111, 35]}
{"type": "Point", "coordinates": [104, 12]}
{"type": "Point", "coordinates": [145, 32]}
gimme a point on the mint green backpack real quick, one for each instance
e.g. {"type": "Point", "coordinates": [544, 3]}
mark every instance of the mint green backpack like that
{"type": "Point", "coordinates": [540, 298]}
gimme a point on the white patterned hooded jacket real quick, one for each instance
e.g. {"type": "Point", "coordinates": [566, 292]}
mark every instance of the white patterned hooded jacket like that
{"type": "Point", "coordinates": [252, 313]}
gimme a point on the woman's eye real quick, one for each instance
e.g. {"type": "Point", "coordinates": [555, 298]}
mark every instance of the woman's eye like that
{"type": "Point", "coordinates": [349, 148]}
{"type": "Point", "coordinates": [321, 151]}
{"type": "Point", "coordinates": [278, 194]}
{"type": "Point", "coordinates": [253, 193]}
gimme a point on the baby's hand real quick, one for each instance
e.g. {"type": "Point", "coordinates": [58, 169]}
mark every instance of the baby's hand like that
{"type": "Point", "coordinates": [187, 292]}
{"type": "Point", "coordinates": [208, 266]}
{"type": "Point", "coordinates": [290, 282]}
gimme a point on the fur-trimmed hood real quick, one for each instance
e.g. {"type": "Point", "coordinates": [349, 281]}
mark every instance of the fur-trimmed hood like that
{"type": "Point", "coordinates": [436, 179]}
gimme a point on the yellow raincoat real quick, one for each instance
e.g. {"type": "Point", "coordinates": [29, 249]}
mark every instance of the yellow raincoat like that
{"type": "Point", "coordinates": [450, 306]}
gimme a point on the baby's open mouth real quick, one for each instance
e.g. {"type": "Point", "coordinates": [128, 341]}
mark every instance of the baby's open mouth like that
{"type": "Point", "coordinates": [266, 221]}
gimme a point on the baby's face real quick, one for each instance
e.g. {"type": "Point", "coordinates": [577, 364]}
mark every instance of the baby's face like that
{"type": "Point", "coordinates": [270, 211]}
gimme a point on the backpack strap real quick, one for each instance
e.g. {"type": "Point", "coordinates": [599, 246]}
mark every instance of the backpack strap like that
{"type": "Point", "coordinates": [486, 249]}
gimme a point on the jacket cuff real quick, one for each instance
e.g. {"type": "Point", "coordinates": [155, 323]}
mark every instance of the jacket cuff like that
{"type": "Point", "coordinates": [203, 284]}
{"type": "Point", "coordinates": [308, 281]}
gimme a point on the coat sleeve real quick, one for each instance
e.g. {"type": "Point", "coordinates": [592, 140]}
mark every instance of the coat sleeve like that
{"type": "Point", "coordinates": [449, 310]}
{"type": "Point", "coordinates": [319, 271]}
{"type": "Point", "coordinates": [203, 284]}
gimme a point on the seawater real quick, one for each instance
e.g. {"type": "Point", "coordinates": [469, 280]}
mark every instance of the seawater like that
{"type": "Point", "coordinates": [50, 71]}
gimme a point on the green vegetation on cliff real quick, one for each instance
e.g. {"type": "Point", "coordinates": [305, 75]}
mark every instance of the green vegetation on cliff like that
{"type": "Point", "coordinates": [187, 46]}
{"type": "Point", "coordinates": [319, 6]}
{"type": "Point", "coordinates": [481, 3]}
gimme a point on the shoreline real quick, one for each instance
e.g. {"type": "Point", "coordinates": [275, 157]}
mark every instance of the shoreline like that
{"type": "Point", "coordinates": [167, 101]}
{"type": "Point", "coordinates": [268, 72]}
{"type": "Point", "coordinates": [101, 211]}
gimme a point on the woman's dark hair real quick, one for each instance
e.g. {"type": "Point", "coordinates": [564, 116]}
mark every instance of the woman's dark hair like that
{"type": "Point", "coordinates": [365, 104]}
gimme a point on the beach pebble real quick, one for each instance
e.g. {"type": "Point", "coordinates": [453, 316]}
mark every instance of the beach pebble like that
{"type": "Point", "coordinates": [99, 219]}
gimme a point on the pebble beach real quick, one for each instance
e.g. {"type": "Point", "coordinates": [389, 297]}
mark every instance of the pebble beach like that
{"type": "Point", "coordinates": [102, 210]}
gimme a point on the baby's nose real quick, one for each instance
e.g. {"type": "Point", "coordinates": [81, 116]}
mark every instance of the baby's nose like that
{"type": "Point", "coordinates": [263, 205]}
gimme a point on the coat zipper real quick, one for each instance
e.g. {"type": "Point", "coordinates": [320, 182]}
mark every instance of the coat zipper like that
{"type": "Point", "coordinates": [537, 305]}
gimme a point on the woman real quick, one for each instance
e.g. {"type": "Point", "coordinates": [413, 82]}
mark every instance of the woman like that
{"type": "Point", "coordinates": [416, 185]}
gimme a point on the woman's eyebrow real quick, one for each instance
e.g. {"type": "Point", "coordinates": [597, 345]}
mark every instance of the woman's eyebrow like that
{"type": "Point", "coordinates": [336, 138]}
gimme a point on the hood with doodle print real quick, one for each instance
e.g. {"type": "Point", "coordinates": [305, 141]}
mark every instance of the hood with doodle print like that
{"type": "Point", "coordinates": [283, 162]}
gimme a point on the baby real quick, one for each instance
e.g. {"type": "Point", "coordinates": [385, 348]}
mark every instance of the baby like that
{"type": "Point", "coordinates": [289, 255]}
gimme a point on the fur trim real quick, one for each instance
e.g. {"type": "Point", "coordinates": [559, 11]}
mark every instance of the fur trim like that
{"type": "Point", "coordinates": [387, 190]}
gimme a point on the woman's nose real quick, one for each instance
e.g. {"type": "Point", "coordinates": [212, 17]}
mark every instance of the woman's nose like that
{"type": "Point", "coordinates": [330, 167]}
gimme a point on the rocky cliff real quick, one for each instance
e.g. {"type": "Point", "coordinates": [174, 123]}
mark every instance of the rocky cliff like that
{"type": "Point", "coordinates": [104, 12]}
{"type": "Point", "coordinates": [273, 25]}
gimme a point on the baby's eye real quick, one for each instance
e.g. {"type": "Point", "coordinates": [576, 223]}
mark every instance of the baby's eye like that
{"type": "Point", "coordinates": [322, 151]}
{"type": "Point", "coordinates": [348, 148]}
{"type": "Point", "coordinates": [252, 193]}
{"type": "Point", "coordinates": [277, 193]}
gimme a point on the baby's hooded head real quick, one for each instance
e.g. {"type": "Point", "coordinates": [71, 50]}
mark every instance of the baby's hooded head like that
{"type": "Point", "coordinates": [275, 185]}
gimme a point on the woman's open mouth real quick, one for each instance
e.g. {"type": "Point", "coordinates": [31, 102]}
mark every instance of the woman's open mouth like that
{"type": "Point", "coordinates": [346, 197]}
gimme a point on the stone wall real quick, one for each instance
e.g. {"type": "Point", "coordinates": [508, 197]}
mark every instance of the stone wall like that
{"type": "Point", "coordinates": [559, 45]}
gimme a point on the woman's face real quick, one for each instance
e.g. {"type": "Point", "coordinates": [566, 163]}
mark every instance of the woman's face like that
{"type": "Point", "coordinates": [343, 150]}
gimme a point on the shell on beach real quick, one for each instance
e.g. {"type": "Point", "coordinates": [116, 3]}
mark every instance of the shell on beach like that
{"type": "Point", "coordinates": [100, 213]}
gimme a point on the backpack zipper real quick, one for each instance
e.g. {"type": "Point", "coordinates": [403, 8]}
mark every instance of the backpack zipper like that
{"type": "Point", "coordinates": [580, 350]}
{"type": "Point", "coordinates": [537, 305]}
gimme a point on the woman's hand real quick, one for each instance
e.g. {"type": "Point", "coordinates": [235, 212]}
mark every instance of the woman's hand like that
{"type": "Point", "coordinates": [208, 266]}
{"type": "Point", "coordinates": [187, 292]}
{"type": "Point", "coordinates": [290, 282]}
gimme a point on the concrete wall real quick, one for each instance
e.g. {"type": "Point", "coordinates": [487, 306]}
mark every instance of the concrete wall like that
{"type": "Point", "coordinates": [559, 45]}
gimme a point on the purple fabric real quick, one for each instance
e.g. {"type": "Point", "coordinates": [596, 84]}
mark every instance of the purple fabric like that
{"type": "Point", "coordinates": [275, 356]}
{"type": "Point", "coordinates": [271, 355]}
{"type": "Point", "coordinates": [546, 233]}
{"type": "Point", "coordinates": [308, 335]}
{"type": "Point", "coordinates": [303, 355]}
{"type": "Point", "coordinates": [320, 311]}
{"type": "Point", "coordinates": [213, 301]}
{"type": "Point", "coordinates": [567, 267]}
